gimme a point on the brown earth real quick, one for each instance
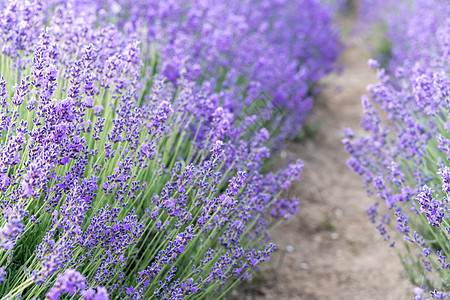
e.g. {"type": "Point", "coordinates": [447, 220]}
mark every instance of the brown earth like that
{"type": "Point", "coordinates": [330, 250]}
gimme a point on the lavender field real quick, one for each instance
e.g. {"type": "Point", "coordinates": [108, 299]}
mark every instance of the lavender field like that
{"type": "Point", "coordinates": [216, 149]}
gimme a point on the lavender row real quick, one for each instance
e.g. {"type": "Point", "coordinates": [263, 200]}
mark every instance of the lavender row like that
{"type": "Point", "coordinates": [404, 157]}
{"type": "Point", "coordinates": [266, 53]}
{"type": "Point", "coordinates": [133, 142]}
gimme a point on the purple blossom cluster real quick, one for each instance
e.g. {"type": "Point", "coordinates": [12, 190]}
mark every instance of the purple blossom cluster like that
{"type": "Point", "coordinates": [403, 159]}
{"type": "Point", "coordinates": [72, 281]}
{"type": "Point", "coordinates": [132, 146]}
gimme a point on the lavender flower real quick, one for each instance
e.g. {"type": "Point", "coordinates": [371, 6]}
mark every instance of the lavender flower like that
{"type": "Point", "coordinates": [70, 281]}
{"type": "Point", "coordinates": [10, 233]}
{"type": "Point", "coordinates": [99, 294]}
{"type": "Point", "coordinates": [2, 274]}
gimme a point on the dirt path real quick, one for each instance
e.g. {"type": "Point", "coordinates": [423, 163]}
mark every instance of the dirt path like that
{"type": "Point", "coordinates": [330, 250]}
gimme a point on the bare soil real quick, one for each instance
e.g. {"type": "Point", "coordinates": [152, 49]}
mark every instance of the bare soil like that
{"type": "Point", "coordinates": [330, 250]}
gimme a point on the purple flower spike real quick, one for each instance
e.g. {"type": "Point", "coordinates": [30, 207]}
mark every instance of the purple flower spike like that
{"type": "Point", "coordinates": [70, 281]}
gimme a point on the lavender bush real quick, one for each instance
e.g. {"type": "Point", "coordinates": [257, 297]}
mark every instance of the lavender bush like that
{"type": "Point", "coordinates": [132, 143]}
{"type": "Point", "coordinates": [403, 159]}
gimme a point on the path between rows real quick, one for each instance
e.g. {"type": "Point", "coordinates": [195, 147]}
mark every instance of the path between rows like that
{"type": "Point", "coordinates": [330, 250]}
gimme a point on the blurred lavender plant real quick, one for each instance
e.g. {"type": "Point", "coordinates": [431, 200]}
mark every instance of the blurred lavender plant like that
{"type": "Point", "coordinates": [404, 157]}
{"type": "Point", "coordinates": [131, 161]}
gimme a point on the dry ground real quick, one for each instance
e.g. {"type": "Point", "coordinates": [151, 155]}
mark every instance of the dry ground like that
{"type": "Point", "coordinates": [330, 250]}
